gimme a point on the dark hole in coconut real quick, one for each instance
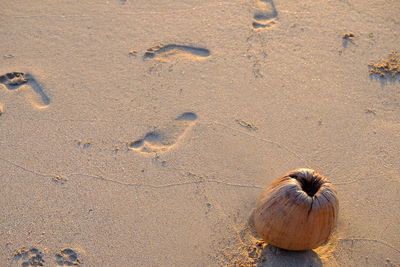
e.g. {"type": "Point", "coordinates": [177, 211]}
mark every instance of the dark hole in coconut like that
{"type": "Point", "coordinates": [310, 185]}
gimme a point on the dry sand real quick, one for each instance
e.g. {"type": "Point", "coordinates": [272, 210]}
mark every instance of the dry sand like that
{"type": "Point", "coordinates": [145, 130]}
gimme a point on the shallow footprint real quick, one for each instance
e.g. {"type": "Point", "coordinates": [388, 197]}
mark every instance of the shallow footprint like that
{"type": "Point", "coordinates": [265, 15]}
{"type": "Point", "coordinates": [16, 80]}
{"type": "Point", "coordinates": [67, 257]}
{"type": "Point", "coordinates": [28, 257]}
{"type": "Point", "coordinates": [162, 52]}
{"type": "Point", "coordinates": [165, 137]}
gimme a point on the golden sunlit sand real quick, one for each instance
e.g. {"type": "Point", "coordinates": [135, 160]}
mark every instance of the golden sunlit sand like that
{"type": "Point", "coordinates": [142, 133]}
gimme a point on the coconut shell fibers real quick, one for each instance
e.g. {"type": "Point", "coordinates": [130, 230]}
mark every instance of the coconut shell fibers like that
{"type": "Point", "coordinates": [297, 211]}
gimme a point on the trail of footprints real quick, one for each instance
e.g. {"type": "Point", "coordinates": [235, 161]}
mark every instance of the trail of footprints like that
{"type": "Point", "coordinates": [16, 81]}
{"type": "Point", "coordinates": [34, 257]}
{"type": "Point", "coordinates": [161, 139]}
{"type": "Point", "coordinates": [13, 81]}
{"type": "Point", "coordinates": [265, 15]}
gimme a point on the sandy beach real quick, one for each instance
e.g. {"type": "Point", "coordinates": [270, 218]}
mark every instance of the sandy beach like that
{"type": "Point", "coordinates": [142, 133]}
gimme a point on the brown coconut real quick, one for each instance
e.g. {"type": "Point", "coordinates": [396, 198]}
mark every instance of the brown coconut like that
{"type": "Point", "coordinates": [297, 211]}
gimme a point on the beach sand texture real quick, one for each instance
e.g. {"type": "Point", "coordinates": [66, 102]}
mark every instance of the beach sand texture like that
{"type": "Point", "coordinates": [141, 133]}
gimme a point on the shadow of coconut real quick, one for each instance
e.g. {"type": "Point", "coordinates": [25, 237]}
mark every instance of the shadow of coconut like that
{"type": "Point", "coordinates": [274, 257]}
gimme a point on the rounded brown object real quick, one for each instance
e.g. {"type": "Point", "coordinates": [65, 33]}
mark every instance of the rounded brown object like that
{"type": "Point", "coordinates": [297, 211]}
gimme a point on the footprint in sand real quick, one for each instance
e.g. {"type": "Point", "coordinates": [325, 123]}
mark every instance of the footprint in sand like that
{"type": "Point", "coordinates": [28, 257]}
{"type": "Point", "coordinates": [165, 137]}
{"type": "Point", "coordinates": [67, 257]}
{"type": "Point", "coordinates": [17, 80]}
{"type": "Point", "coordinates": [162, 52]}
{"type": "Point", "coordinates": [265, 15]}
